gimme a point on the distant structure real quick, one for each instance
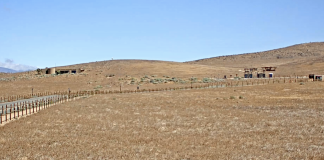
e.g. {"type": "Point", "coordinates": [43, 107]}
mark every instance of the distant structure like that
{"type": "Point", "coordinates": [314, 77]}
{"type": "Point", "coordinates": [251, 72]}
{"type": "Point", "coordinates": [248, 72]}
{"type": "Point", "coordinates": [61, 70]}
{"type": "Point", "coordinates": [268, 70]}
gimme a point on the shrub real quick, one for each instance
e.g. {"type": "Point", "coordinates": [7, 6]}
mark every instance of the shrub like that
{"type": "Point", "coordinates": [193, 79]}
{"type": "Point", "coordinates": [240, 97]}
{"type": "Point", "coordinates": [206, 80]}
{"type": "Point", "coordinates": [39, 71]}
{"type": "Point", "coordinates": [232, 97]}
{"type": "Point", "coordinates": [97, 87]}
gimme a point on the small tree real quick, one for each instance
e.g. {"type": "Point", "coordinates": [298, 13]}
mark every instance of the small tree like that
{"type": "Point", "coordinates": [38, 71]}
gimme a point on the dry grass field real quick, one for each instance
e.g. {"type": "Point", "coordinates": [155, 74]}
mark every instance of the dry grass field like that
{"type": "Point", "coordinates": [96, 76]}
{"type": "Point", "coordinates": [273, 121]}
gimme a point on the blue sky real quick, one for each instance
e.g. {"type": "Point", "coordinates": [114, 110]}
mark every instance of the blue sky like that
{"type": "Point", "coordinates": [43, 33]}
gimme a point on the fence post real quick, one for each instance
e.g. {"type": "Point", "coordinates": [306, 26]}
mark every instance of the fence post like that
{"type": "Point", "coordinates": [6, 113]}
{"type": "Point", "coordinates": [10, 112]}
{"type": "Point", "coordinates": [1, 117]}
{"type": "Point", "coordinates": [33, 106]}
{"type": "Point", "coordinates": [22, 109]}
{"type": "Point", "coordinates": [25, 106]}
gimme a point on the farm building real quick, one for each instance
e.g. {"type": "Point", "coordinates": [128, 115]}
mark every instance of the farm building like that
{"type": "Point", "coordinates": [62, 70]}
{"type": "Point", "coordinates": [266, 71]}
{"type": "Point", "coordinates": [254, 73]}
{"type": "Point", "coordinates": [318, 78]}
{"type": "Point", "coordinates": [248, 72]}
{"type": "Point", "coordinates": [314, 77]}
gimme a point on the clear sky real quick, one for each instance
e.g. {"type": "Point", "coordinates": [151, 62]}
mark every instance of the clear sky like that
{"type": "Point", "coordinates": [45, 33]}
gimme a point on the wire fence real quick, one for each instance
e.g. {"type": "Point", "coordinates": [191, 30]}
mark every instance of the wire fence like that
{"type": "Point", "coordinates": [11, 110]}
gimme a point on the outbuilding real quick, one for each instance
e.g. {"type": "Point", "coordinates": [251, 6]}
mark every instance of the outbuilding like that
{"type": "Point", "coordinates": [318, 78]}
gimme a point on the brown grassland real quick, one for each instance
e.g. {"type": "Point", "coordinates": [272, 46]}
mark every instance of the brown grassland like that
{"type": "Point", "coordinates": [97, 74]}
{"type": "Point", "coordinates": [273, 121]}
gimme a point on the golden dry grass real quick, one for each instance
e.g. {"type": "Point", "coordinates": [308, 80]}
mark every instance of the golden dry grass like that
{"type": "Point", "coordinates": [300, 59]}
{"type": "Point", "coordinates": [96, 75]}
{"type": "Point", "coordinates": [275, 121]}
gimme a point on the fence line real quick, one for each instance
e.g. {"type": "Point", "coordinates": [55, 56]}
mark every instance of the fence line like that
{"type": "Point", "coordinates": [28, 106]}
{"type": "Point", "coordinates": [16, 110]}
{"type": "Point", "coordinates": [249, 81]}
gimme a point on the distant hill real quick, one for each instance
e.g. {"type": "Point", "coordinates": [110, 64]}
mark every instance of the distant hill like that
{"type": "Point", "coordinates": [297, 59]}
{"type": "Point", "coordinates": [7, 70]}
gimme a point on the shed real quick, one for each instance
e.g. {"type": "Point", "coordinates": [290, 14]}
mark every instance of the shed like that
{"type": "Point", "coordinates": [311, 76]}
{"type": "Point", "coordinates": [318, 78]}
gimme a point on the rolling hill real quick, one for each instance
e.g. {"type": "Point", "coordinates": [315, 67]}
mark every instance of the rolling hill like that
{"type": "Point", "coordinates": [299, 59]}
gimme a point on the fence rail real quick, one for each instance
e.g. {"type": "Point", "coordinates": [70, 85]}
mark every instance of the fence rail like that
{"type": "Point", "coordinates": [13, 110]}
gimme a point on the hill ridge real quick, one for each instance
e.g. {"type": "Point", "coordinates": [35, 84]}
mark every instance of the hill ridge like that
{"type": "Point", "coordinates": [277, 50]}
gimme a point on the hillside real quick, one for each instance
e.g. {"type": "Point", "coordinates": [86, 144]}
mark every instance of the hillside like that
{"type": "Point", "coordinates": [109, 75]}
{"type": "Point", "coordinates": [301, 59]}
{"type": "Point", "coordinates": [297, 59]}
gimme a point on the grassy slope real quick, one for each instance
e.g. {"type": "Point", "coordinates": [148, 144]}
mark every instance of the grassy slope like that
{"type": "Point", "coordinates": [96, 73]}
{"type": "Point", "coordinates": [299, 59]}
